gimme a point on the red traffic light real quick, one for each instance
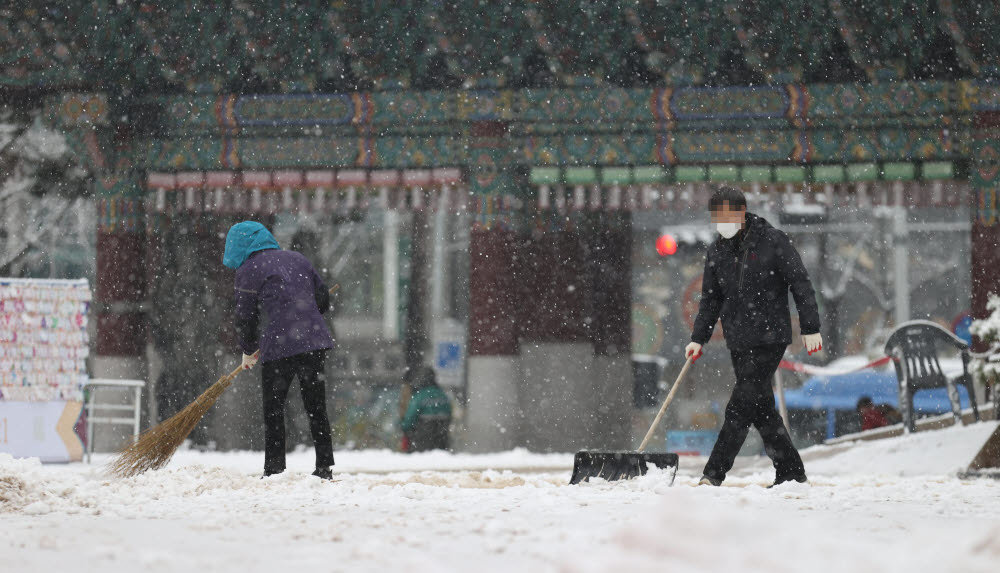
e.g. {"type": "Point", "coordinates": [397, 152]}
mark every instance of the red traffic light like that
{"type": "Point", "coordinates": [666, 245]}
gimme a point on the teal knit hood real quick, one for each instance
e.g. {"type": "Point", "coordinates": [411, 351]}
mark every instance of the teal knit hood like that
{"type": "Point", "coordinates": [245, 239]}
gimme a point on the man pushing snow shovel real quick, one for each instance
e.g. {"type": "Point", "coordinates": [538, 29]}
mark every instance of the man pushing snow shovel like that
{"type": "Point", "coordinates": [294, 341]}
{"type": "Point", "coordinates": [749, 270]}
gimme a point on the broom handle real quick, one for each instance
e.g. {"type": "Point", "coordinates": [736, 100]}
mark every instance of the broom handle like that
{"type": "Point", "coordinates": [234, 373]}
{"type": "Point", "coordinates": [663, 408]}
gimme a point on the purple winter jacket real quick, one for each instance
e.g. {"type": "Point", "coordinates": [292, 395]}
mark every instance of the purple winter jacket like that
{"type": "Point", "coordinates": [285, 287]}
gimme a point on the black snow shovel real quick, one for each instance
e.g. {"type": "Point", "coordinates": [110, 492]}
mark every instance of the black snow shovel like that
{"type": "Point", "coordinates": [614, 466]}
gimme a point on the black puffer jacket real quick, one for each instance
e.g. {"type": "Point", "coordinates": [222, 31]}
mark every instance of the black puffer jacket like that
{"type": "Point", "coordinates": [746, 283]}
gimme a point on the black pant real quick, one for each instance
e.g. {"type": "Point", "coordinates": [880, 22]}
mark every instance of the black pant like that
{"type": "Point", "coordinates": [752, 402]}
{"type": "Point", "coordinates": [429, 435]}
{"type": "Point", "coordinates": [277, 377]}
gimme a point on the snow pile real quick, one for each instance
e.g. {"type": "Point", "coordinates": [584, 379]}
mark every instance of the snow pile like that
{"type": "Point", "coordinates": [34, 489]}
{"type": "Point", "coordinates": [13, 489]}
{"type": "Point", "coordinates": [860, 496]}
{"type": "Point", "coordinates": [934, 453]}
{"type": "Point", "coordinates": [26, 486]}
{"type": "Point", "coordinates": [945, 452]}
{"type": "Point", "coordinates": [703, 530]}
{"type": "Point", "coordinates": [510, 511]}
{"type": "Point", "coordinates": [384, 461]}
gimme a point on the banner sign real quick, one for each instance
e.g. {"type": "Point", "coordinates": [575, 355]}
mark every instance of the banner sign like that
{"type": "Point", "coordinates": [43, 339]}
{"type": "Point", "coordinates": [43, 430]}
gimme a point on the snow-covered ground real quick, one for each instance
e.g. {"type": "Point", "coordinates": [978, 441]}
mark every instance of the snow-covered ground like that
{"type": "Point", "coordinates": [894, 505]}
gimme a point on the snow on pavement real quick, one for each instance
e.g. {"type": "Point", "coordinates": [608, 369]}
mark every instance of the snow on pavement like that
{"type": "Point", "coordinates": [441, 512]}
{"type": "Point", "coordinates": [947, 451]}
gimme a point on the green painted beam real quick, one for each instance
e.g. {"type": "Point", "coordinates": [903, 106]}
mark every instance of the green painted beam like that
{"type": "Point", "coordinates": [723, 173]}
{"type": "Point", "coordinates": [938, 170]}
{"type": "Point", "coordinates": [899, 171]}
{"type": "Point", "coordinates": [756, 174]}
{"type": "Point", "coordinates": [790, 174]}
{"type": "Point", "coordinates": [616, 176]}
{"type": "Point", "coordinates": [545, 175]}
{"type": "Point", "coordinates": [893, 171]}
{"type": "Point", "coordinates": [652, 174]}
{"type": "Point", "coordinates": [862, 172]}
{"type": "Point", "coordinates": [828, 173]}
{"type": "Point", "coordinates": [581, 175]}
{"type": "Point", "coordinates": [689, 173]}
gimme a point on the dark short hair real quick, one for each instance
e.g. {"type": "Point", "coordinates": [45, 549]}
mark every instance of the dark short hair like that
{"type": "Point", "coordinates": [864, 401]}
{"type": "Point", "coordinates": [420, 377]}
{"type": "Point", "coordinates": [734, 197]}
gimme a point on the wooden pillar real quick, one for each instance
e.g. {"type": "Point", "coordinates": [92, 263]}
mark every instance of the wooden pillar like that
{"type": "Point", "coordinates": [121, 278]}
{"type": "Point", "coordinates": [609, 262]}
{"type": "Point", "coordinates": [575, 333]}
{"type": "Point", "coordinates": [415, 333]}
{"type": "Point", "coordinates": [492, 415]}
{"type": "Point", "coordinates": [119, 293]}
{"type": "Point", "coordinates": [555, 302]}
{"type": "Point", "coordinates": [985, 185]}
{"type": "Point", "coordinates": [495, 296]}
{"type": "Point", "coordinates": [609, 258]}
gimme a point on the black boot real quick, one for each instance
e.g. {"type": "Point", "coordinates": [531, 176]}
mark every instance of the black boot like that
{"type": "Point", "coordinates": [801, 478]}
{"type": "Point", "coordinates": [323, 473]}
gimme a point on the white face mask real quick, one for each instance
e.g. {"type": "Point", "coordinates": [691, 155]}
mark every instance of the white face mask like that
{"type": "Point", "coordinates": [727, 230]}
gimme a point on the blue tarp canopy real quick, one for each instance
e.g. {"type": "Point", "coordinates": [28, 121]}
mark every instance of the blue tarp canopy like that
{"type": "Point", "coordinates": [843, 392]}
{"type": "Point", "coordinates": [838, 393]}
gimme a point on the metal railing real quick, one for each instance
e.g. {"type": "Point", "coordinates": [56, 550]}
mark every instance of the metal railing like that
{"type": "Point", "coordinates": [92, 405]}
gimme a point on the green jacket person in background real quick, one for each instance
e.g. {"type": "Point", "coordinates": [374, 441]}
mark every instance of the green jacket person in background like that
{"type": "Point", "coordinates": [428, 415]}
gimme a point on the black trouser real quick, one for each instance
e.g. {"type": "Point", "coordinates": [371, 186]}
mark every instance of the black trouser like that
{"type": "Point", "coordinates": [752, 403]}
{"type": "Point", "coordinates": [277, 377]}
{"type": "Point", "coordinates": [429, 435]}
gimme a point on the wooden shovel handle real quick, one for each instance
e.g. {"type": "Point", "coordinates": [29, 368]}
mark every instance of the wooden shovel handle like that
{"type": "Point", "coordinates": [663, 408]}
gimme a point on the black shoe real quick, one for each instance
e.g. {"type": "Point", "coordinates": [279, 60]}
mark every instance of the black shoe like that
{"type": "Point", "coordinates": [705, 480]}
{"type": "Point", "coordinates": [269, 474]}
{"type": "Point", "coordinates": [323, 473]}
{"type": "Point", "coordinates": [801, 478]}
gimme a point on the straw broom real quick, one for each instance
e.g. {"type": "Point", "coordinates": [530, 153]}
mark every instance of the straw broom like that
{"type": "Point", "coordinates": [157, 445]}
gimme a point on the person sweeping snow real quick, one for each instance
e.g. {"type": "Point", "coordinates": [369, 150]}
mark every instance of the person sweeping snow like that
{"type": "Point", "coordinates": [749, 270]}
{"type": "Point", "coordinates": [285, 287]}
